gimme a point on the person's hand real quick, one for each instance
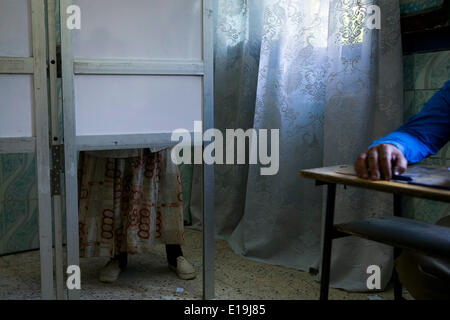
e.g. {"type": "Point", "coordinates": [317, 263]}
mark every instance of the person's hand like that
{"type": "Point", "coordinates": [381, 161]}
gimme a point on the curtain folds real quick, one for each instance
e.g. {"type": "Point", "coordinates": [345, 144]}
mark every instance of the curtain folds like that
{"type": "Point", "coordinates": [314, 70]}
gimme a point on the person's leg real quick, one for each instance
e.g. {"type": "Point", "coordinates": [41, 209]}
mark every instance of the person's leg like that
{"type": "Point", "coordinates": [118, 262]}
{"type": "Point", "coordinates": [173, 251]}
{"type": "Point", "coordinates": [178, 263]}
{"type": "Point", "coordinates": [169, 213]}
{"type": "Point", "coordinates": [111, 271]}
{"type": "Point", "coordinates": [123, 260]}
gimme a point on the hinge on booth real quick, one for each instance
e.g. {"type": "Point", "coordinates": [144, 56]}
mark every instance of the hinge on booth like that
{"type": "Point", "coordinates": [57, 168]}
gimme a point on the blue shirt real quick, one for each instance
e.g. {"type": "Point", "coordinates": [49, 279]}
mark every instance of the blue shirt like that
{"type": "Point", "coordinates": [425, 133]}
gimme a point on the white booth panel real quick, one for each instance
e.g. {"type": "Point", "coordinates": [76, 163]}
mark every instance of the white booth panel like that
{"type": "Point", "coordinates": [16, 106]}
{"type": "Point", "coordinates": [15, 28]}
{"type": "Point", "coordinates": [141, 29]}
{"type": "Point", "coordinates": [114, 105]}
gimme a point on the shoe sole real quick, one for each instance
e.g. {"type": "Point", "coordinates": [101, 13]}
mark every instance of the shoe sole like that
{"type": "Point", "coordinates": [183, 276]}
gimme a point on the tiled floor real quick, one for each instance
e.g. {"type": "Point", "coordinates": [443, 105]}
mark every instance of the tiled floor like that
{"type": "Point", "coordinates": [148, 277]}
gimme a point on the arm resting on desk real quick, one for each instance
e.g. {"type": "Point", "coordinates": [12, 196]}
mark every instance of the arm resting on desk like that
{"type": "Point", "coordinates": [425, 133]}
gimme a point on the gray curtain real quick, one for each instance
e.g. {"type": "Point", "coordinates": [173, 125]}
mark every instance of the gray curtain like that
{"type": "Point", "coordinates": [312, 69]}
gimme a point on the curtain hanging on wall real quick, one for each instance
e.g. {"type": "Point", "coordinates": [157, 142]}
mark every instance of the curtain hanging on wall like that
{"type": "Point", "coordinates": [312, 69]}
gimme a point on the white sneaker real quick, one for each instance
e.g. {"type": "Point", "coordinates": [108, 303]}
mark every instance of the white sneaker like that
{"type": "Point", "coordinates": [184, 269]}
{"type": "Point", "coordinates": [110, 272]}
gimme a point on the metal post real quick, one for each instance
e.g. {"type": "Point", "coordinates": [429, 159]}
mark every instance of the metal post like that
{"type": "Point", "coordinates": [57, 206]}
{"type": "Point", "coordinates": [70, 147]}
{"type": "Point", "coordinates": [327, 242]}
{"type": "Point", "coordinates": [208, 170]}
{"type": "Point", "coordinates": [398, 212]}
{"type": "Point", "coordinates": [42, 148]}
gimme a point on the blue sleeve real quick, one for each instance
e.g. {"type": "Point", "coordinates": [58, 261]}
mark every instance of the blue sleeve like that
{"type": "Point", "coordinates": [425, 133]}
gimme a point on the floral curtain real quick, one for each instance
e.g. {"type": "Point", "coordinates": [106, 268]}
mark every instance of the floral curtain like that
{"type": "Point", "coordinates": [314, 70]}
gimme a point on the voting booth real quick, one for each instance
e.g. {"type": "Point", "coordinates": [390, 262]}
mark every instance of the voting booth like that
{"type": "Point", "coordinates": [132, 72]}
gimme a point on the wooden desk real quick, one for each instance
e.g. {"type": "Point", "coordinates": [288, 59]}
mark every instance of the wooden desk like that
{"type": "Point", "coordinates": [331, 176]}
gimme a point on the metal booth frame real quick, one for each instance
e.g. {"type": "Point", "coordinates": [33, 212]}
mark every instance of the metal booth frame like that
{"type": "Point", "coordinates": [36, 65]}
{"type": "Point", "coordinates": [73, 143]}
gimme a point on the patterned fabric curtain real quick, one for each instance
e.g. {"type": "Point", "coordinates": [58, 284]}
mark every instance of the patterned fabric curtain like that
{"type": "Point", "coordinates": [314, 70]}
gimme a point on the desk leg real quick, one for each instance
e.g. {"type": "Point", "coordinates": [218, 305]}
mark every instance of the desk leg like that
{"type": "Point", "coordinates": [398, 294]}
{"type": "Point", "coordinates": [327, 242]}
